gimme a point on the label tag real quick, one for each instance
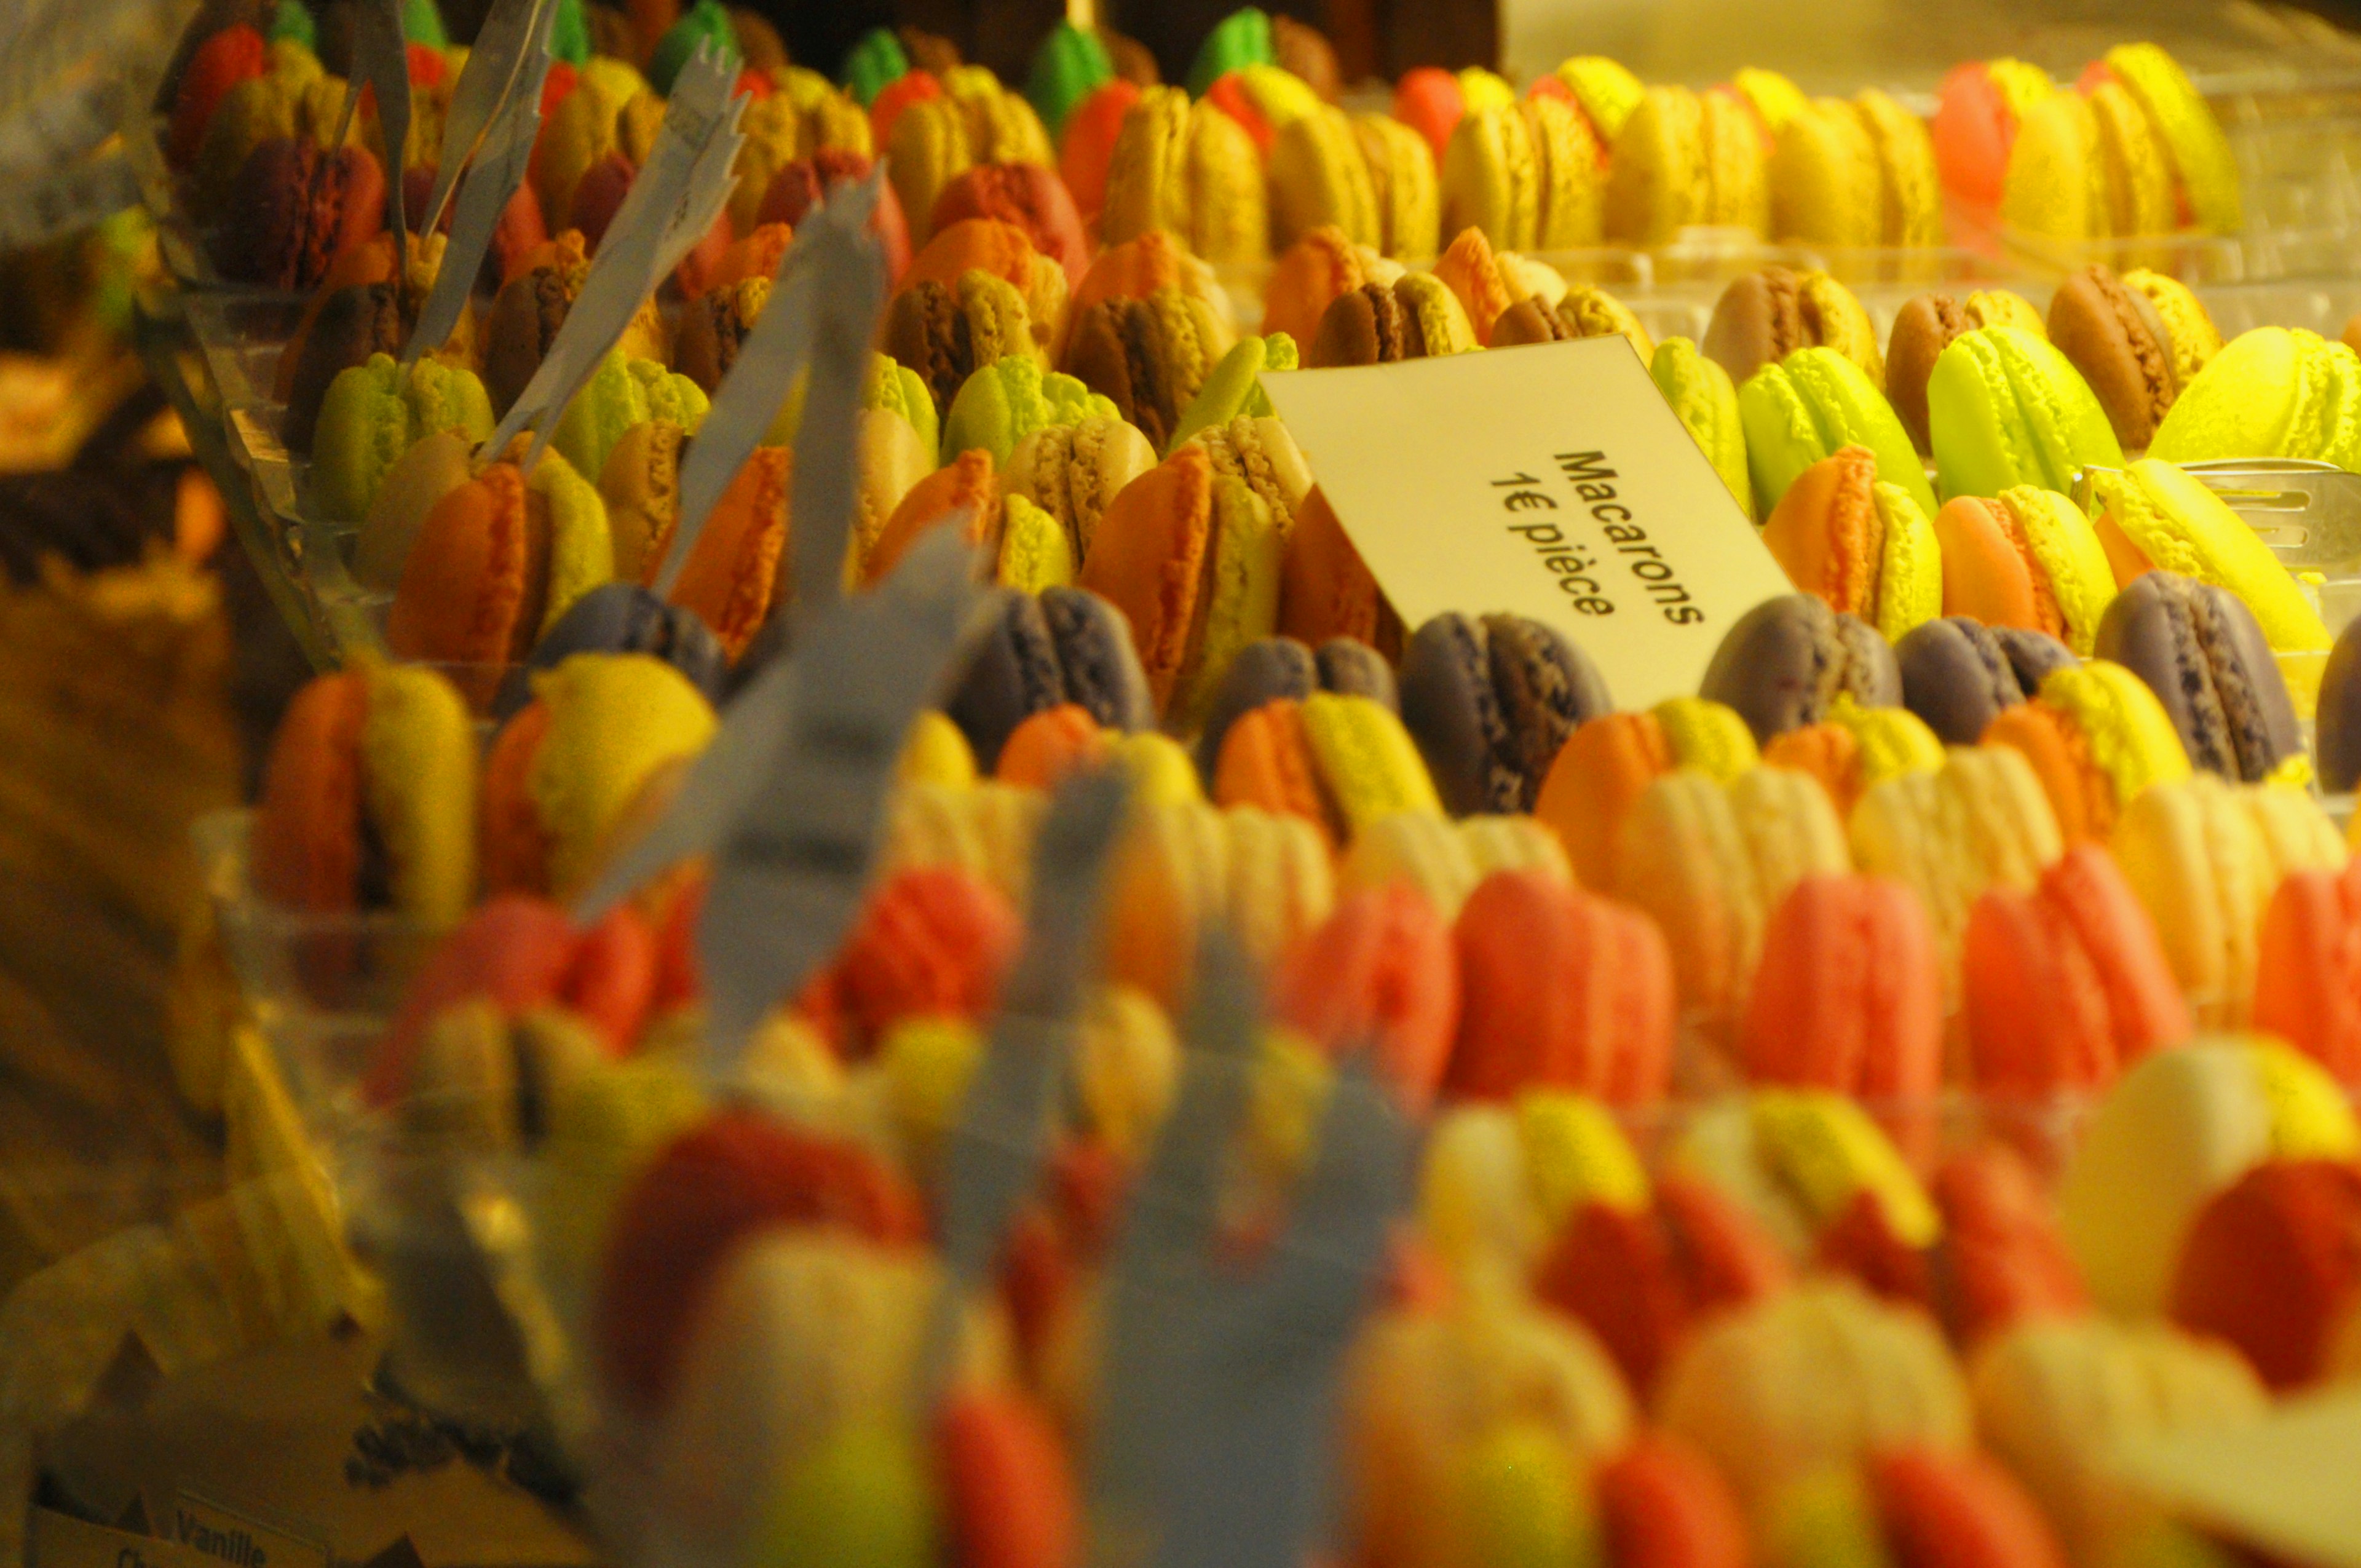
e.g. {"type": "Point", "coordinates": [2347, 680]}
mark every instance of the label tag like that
{"type": "Point", "coordinates": [1213, 1438]}
{"type": "Point", "coordinates": [789, 799]}
{"type": "Point", "coordinates": [489, 84]}
{"type": "Point", "coordinates": [994, 1159]}
{"type": "Point", "coordinates": [834, 260]}
{"type": "Point", "coordinates": [61, 1541]}
{"type": "Point", "coordinates": [1552, 481]}
{"type": "Point", "coordinates": [643, 243]}
{"type": "Point", "coordinates": [382, 58]}
{"type": "Point", "coordinates": [497, 172]}
{"type": "Point", "coordinates": [220, 1534]}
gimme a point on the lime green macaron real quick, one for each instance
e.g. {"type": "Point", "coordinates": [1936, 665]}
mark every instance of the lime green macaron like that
{"type": "Point", "coordinates": [1242, 37]}
{"type": "Point", "coordinates": [893, 385]}
{"type": "Point", "coordinates": [1806, 406]}
{"type": "Point", "coordinates": [1007, 400]}
{"type": "Point", "coordinates": [1071, 64]}
{"type": "Point", "coordinates": [1707, 405]}
{"type": "Point", "coordinates": [2005, 408]}
{"type": "Point", "coordinates": [706, 22]}
{"type": "Point", "coordinates": [620, 394]}
{"type": "Point", "coordinates": [1235, 386]}
{"type": "Point", "coordinates": [372, 414]}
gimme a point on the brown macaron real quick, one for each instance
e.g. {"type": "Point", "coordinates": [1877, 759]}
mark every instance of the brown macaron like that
{"type": "Point", "coordinates": [1530, 320]}
{"type": "Point", "coordinates": [1766, 315]}
{"type": "Point", "coordinates": [2113, 335]}
{"type": "Point", "coordinates": [524, 320]}
{"type": "Point", "coordinates": [714, 327]}
{"type": "Point", "coordinates": [1923, 328]}
{"type": "Point", "coordinates": [1367, 326]}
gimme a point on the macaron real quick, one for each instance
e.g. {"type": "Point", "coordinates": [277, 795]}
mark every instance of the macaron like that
{"type": "Point", "coordinates": [1319, 178]}
{"type": "Point", "coordinates": [1192, 562]}
{"type": "Point", "coordinates": [930, 942]}
{"type": "Point", "coordinates": [350, 324]}
{"type": "Point", "coordinates": [1404, 187]}
{"type": "Point", "coordinates": [2096, 737]}
{"type": "Point", "coordinates": [1086, 144]}
{"type": "Point", "coordinates": [495, 564]}
{"type": "Point", "coordinates": [368, 798]}
{"type": "Point", "coordinates": [2177, 1128]}
{"type": "Point", "coordinates": [1490, 701]}
{"type": "Point", "coordinates": [1380, 974]}
{"type": "Point", "coordinates": [2204, 858]}
{"type": "Point", "coordinates": [742, 562]}
{"type": "Point", "coordinates": [372, 415]}
{"type": "Point", "coordinates": [2005, 408]}
{"type": "Point", "coordinates": [2066, 985]}
{"type": "Point", "coordinates": [2269, 1266]}
{"type": "Point", "coordinates": [1074, 472]}
{"type": "Point", "coordinates": [624, 618]}
{"type": "Point", "coordinates": [1658, 181]}
{"type": "Point", "coordinates": [2028, 559]}
{"type": "Point", "coordinates": [1010, 399]}
{"type": "Point", "coordinates": [1586, 310]}
{"type": "Point", "coordinates": [1063, 645]}
{"type": "Point", "coordinates": [1276, 667]}
{"type": "Point", "coordinates": [1379, 324]}
{"type": "Point", "coordinates": [521, 324]}
{"type": "Point", "coordinates": [803, 184]}
{"type": "Point", "coordinates": [2201, 159]}
{"type": "Point", "coordinates": [1709, 862]}
{"type": "Point", "coordinates": [2115, 336]}
{"type": "Point", "coordinates": [945, 332]}
{"type": "Point", "coordinates": [1981, 820]}
{"type": "Point", "coordinates": [1561, 989]}
{"type": "Point", "coordinates": [2336, 738]}
{"type": "Point", "coordinates": [1765, 316]}
{"type": "Point", "coordinates": [1606, 763]}
{"type": "Point", "coordinates": [436, 465]}
{"type": "Point", "coordinates": [235, 54]}
{"type": "Point", "coordinates": [1924, 328]}
{"type": "Point", "coordinates": [1705, 401]}
{"type": "Point", "coordinates": [1067, 65]}
{"type": "Point", "coordinates": [1492, 178]}
{"type": "Point", "coordinates": [1958, 672]}
{"type": "Point", "coordinates": [1808, 405]}
{"type": "Point", "coordinates": [1149, 357]}
{"type": "Point", "coordinates": [2194, 338]}
{"type": "Point", "coordinates": [2272, 392]}
{"type": "Point", "coordinates": [1471, 270]}
{"type": "Point", "coordinates": [292, 208]}
{"type": "Point", "coordinates": [1028, 195]}
{"type": "Point", "coordinates": [1341, 762]}
{"type": "Point", "coordinates": [1848, 994]}
{"type": "Point", "coordinates": [2199, 650]}
{"type": "Point", "coordinates": [1827, 185]}
{"type": "Point", "coordinates": [1326, 590]}
{"type": "Point", "coordinates": [1861, 544]}
{"type": "Point", "coordinates": [704, 1196]}
{"type": "Point", "coordinates": [1855, 749]}
{"type": "Point", "coordinates": [2154, 514]}
{"type": "Point", "coordinates": [1786, 661]}
{"type": "Point", "coordinates": [1977, 112]}
{"type": "Point", "coordinates": [1257, 451]}
{"type": "Point", "coordinates": [714, 327]}
{"type": "Point", "coordinates": [1643, 1280]}
{"type": "Point", "coordinates": [564, 772]}
{"type": "Point", "coordinates": [1191, 169]}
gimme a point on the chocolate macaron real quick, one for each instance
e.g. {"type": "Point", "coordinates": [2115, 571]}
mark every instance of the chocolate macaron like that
{"type": "Point", "coordinates": [623, 618]}
{"type": "Point", "coordinates": [1766, 315]}
{"type": "Point", "coordinates": [353, 324]}
{"type": "Point", "coordinates": [1490, 699]}
{"type": "Point", "coordinates": [523, 323]}
{"type": "Point", "coordinates": [1923, 328]}
{"type": "Point", "coordinates": [1788, 661]}
{"type": "Point", "coordinates": [2115, 337]}
{"type": "Point", "coordinates": [1958, 672]}
{"type": "Point", "coordinates": [2200, 648]}
{"type": "Point", "coordinates": [293, 208]}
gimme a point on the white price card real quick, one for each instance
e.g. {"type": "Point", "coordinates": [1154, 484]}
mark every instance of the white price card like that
{"type": "Point", "coordinates": [1550, 481]}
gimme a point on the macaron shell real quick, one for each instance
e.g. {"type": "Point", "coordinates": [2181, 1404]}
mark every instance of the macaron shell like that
{"type": "Point", "coordinates": [1148, 557]}
{"type": "Point", "coordinates": [1240, 597]}
{"type": "Point", "coordinates": [2240, 405]}
{"type": "Point", "coordinates": [1266, 762]}
{"type": "Point", "coordinates": [1825, 179]}
{"type": "Point", "coordinates": [1491, 180]}
{"type": "Point", "coordinates": [1655, 183]}
{"type": "Point", "coordinates": [2200, 154]}
{"type": "Point", "coordinates": [1705, 403]}
{"type": "Point", "coordinates": [733, 571]}
{"type": "Point", "coordinates": [417, 749]}
{"type": "Point", "coordinates": [1596, 775]}
{"type": "Point", "coordinates": [1910, 186]}
{"type": "Point", "coordinates": [468, 583]}
{"type": "Point", "coordinates": [1368, 763]}
{"type": "Point", "coordinates": [2056, 186]}
{"type": "Point", "coordinates": [1661, 1505]}
{"type": "Point", "coordinates": [1849, 993]}
{"type": "Point", "coordinates": [1958, 1510]}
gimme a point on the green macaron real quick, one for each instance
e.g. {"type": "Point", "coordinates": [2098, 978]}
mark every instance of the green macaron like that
{"type": "Point", "coordinates": [893, 385]}
{"type": "Point", "coordinates": [2008, 409]}
{"type": "Point", "coordinates": [1235, 387]}
{"type": "Point", "coordinates": [371, 415]}
{"type": "Point", "coordinates": [1008, 400]}
{"type": "Point", "coordinates": [569, 34]}
{"type": "Point", "coordinates": [1703, 400]}
{"type": "Point", "coordinates": [291, 19]}
{"type": "Point", "coordinates": [874, 62]}
{"type": "Point", "coordinates": [1242, 37]}
{"type": "Point", "coordinates": [705, 22]}
{"type": "Point", "coordinates": [1806, 406]}
{"type": "Point", "coordinates": [1071, 64]}
{"type": "Point", "coordinates": [422, 24]}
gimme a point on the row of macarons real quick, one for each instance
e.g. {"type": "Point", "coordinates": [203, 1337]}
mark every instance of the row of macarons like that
{"type": "Point", "coordinates": [1789, 1324]}
{"type": "Point", "coordinates": [1955, 773]}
